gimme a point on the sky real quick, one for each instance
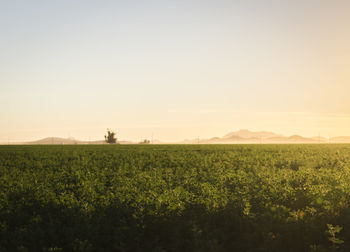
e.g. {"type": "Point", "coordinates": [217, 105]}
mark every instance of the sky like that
{"type": "Point", "coordinates": [173, 70]}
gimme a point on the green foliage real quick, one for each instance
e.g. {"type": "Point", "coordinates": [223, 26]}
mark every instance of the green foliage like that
{"type": "Point", "coordinates": [175, 198]}
{"type": "Point", "coordinates": [332, 232]}
{"type": "Point", "coordinates": [110, 137]}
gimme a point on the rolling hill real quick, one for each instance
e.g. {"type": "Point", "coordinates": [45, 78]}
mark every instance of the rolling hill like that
{"type": "Point", "coordinates": [236, 137]}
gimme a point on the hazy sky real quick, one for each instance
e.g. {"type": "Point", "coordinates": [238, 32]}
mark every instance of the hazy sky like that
{"type": "Point", "coordinates": [174, 69]}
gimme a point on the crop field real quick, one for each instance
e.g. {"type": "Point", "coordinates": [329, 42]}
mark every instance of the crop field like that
{"type": "Point", "coordinates": [175, 198]}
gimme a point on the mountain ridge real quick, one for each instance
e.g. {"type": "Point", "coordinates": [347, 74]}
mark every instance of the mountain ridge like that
{"type": "Point", "coordinates": [242, 136]}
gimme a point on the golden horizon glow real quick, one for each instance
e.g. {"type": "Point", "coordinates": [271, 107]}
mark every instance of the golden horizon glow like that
{"type": "Point", "coordinates": [174, 71]}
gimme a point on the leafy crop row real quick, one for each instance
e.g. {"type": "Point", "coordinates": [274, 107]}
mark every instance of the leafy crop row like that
{"type": "Point", "coordinates": [175, 198]}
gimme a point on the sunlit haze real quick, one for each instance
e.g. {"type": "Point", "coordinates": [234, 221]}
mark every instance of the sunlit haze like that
{"type": "Point", "coordinates": [173, 70]}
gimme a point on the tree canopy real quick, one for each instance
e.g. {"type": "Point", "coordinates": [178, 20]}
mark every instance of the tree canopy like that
{"type": "Point", "coordinates": [110, 137]}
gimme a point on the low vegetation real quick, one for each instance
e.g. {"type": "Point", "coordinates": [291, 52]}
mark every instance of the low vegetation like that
{"type": "Point", "coordinates": [175, 198]}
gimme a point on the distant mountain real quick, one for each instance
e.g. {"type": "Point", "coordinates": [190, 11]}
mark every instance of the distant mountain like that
{"type": "Point", "coordinates": [59, 140]}
{"type": "Point", "coordinates": [320, 139]}
{"type": "Point", "coordinates": [55, 140]}
{"type": "Point", "coordinates": [236, 137]}
{"type": "Point", "coordinates": [340, 139]}
{"type": "Point", "coordinates": [250, 137]}
{"type": "Point", "coordinates": [301, 139]}
{"type": "Point", "coordinates": [291, 139]}
{"type": "Point", "coordinates": [250, 134]}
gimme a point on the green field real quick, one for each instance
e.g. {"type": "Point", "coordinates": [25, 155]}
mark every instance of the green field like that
{"type": "Point", "coordinates": [175, 198]}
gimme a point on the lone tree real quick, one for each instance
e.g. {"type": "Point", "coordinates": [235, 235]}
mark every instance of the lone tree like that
{"type": "Point", "coordinates": [146, 141]}
{"type": "Point", "coordinates": [110, 137]}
